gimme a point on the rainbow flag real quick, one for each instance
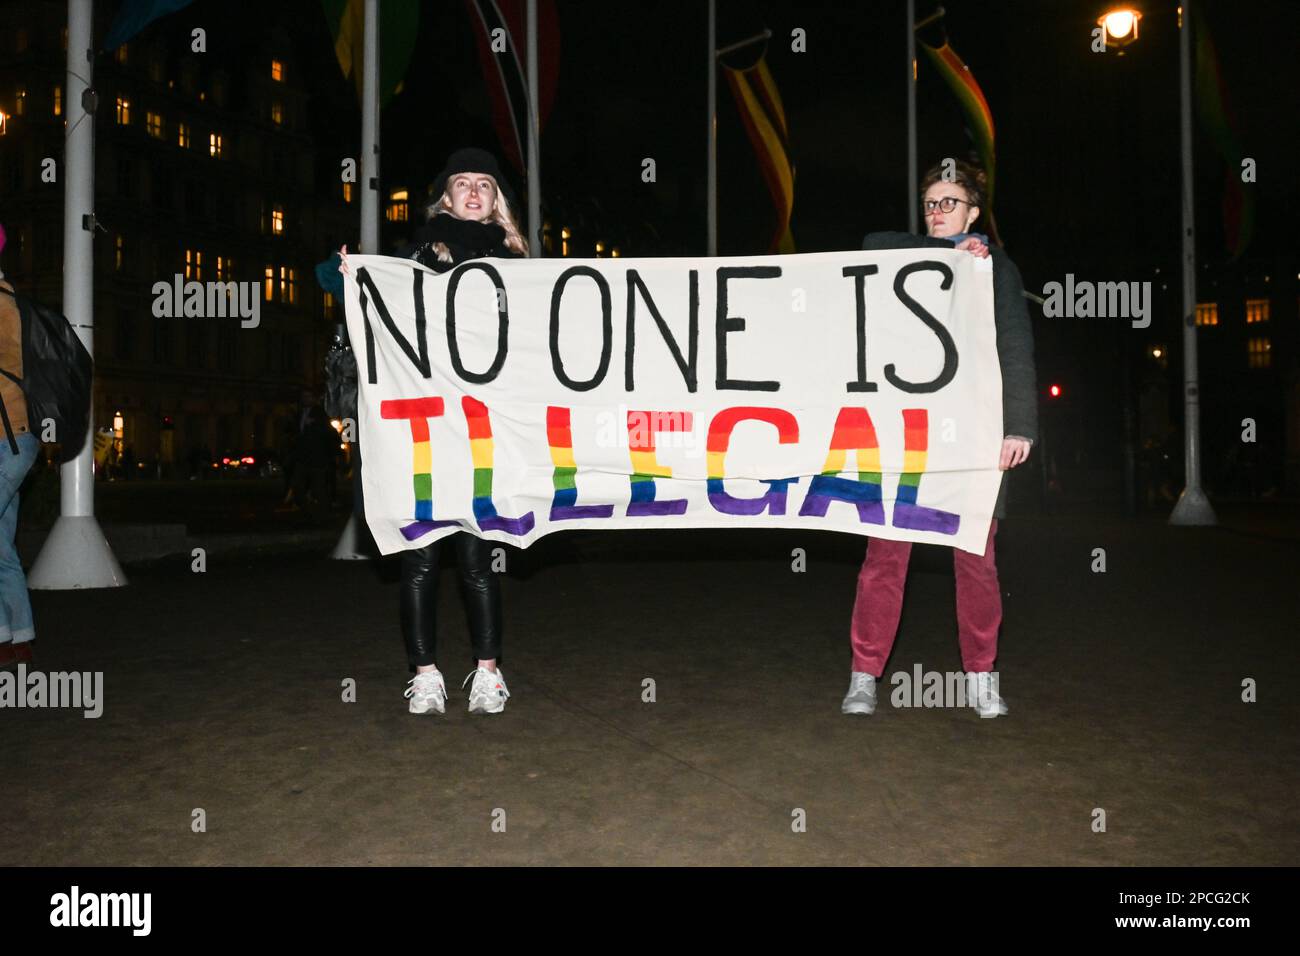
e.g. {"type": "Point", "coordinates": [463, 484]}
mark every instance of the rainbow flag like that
{"type": "Point", "coordinates": [979, 118]}
{"type": "Point", "coordinates": [134, 15]}
{"type": "Point", "coordinates": [1215, 115]}
{"type": "Point", "coordinates": [764, 118]}
{"type": "Point", "coordinates": [398, 25]}
{"type": "Point", "coordinates": [505, 72]}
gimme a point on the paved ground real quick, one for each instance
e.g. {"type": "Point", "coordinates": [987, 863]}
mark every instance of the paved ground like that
{"type": "Point", "coordinates": [223, 692]}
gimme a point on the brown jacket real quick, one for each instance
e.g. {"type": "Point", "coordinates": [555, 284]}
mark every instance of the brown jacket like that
{"type": "Point", "coordinates": [11, 360]}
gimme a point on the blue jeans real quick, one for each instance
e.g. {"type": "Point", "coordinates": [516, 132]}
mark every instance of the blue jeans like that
{"type": "Point", "coordinates": [15, 605]}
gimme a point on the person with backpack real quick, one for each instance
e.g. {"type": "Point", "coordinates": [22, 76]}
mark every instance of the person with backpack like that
{"type": "Point", "coordinates": [16, 457]}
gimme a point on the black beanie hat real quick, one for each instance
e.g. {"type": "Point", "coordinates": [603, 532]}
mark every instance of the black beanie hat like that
{"type": "Point", "coordinates": [472, 160]}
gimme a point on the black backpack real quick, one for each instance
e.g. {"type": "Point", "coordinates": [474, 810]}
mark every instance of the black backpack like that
{"type": "Point", "coordinates": [56, 377]}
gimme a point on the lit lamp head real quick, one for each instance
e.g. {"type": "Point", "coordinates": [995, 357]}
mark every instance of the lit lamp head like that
{"type": "Point", "coordinates": [1120, 27]}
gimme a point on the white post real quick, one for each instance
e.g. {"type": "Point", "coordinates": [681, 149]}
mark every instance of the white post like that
{"type": "Point", "coordinates": [913, 224]}
{"type": "Point", "coordinates": [350, 544]}
{"type": "Point", "coordinates": [1192, 507]}
{"type": "Point", "coordinates": [712, 187]}
{"type": "Point", "coordinates": [534, 143]}
{"type": "Point", "coordinates": [75, 554]}
{"type": "Point", "coordinates": [370, 132]}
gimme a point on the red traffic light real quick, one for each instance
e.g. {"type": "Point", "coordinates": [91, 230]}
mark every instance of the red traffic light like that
{"type": "Point", "coordinates": [1054, 391]}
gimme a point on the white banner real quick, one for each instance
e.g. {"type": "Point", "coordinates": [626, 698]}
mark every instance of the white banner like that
{"type": "Point", "coordinates": [846, 391]}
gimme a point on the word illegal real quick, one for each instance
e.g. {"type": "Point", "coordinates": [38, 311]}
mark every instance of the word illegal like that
{"type": "Point", "coordinates": [854, 432]}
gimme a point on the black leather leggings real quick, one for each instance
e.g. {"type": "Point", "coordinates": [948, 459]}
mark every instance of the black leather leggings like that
{"type": "Point", "coordinates": [478, 586]}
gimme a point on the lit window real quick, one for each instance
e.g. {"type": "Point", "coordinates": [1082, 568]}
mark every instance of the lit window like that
{"type": "Point", "coordinates": [4, 122]}
{"type": "Point", "coordinates": [153, 123]}
{"type": "Point", "coordinates": [614, 253]}
{"type": "Point", "coordinates": [1207, 313]}
{"type": "Point", "coordinates": [20, 103]}
{"type": "Point", "coordinates": [347, 192]}
{"type": "Point", "coordinates": [123, 54]}
{"type": "Point", "coordinates": [1256, 311]}
{"type": "Point", "coordinates": [600, 247]}
{"type": "Point", "coordinates": [328, 302]}
{"type": "Point", "coordinates": [1259, 353]}
{"type": "Point", "coordinates": [268, 285]}
{"type": "Point", "coordinates": [565, 235]}
{"type": "Point", "coordinates": [397, 208]}
{"type": "Point", "coordinates": [224, 267]}
{"type": "Point", "coordinates": [58, 101]}
{"type": "Point", "coordinates": [277, 220]}
{"type": "Point", "coordinates": [288, 285]}
{"type": "Point", "coordinates": [277, 71]}
{"type": "Point", "coordinates": [123, 109]}
{"type": "Point", "coordinates": [183, 135]}
{"type": "Point", "coordinates": [277, 113]}
{"type": "Point", "coordinates": [214, 145]}
{"type": "Point", "coordinates": [117, 253]}
{"type": "Point", "coordinates": [193, 264]}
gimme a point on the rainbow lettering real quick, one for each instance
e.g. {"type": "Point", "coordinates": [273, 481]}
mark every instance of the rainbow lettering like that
{"type": "Point", "coordinates": [907, 513]}
{"type": "Point", "coordinates": [480, 446]}
{"type": "Point", "coordinates": [559, 435]}
{"type": "Point", "coordinates": [418, 411]}
{"type": "Point", "coordinates": [853, 431]}
{"type": "Point", "coordinates": [720, 429]}
{"type": "Point", "coordinates": [641, 430]}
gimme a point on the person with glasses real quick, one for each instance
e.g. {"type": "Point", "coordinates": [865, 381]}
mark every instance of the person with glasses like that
{"type": "Point", "coordinates": [951, 206]}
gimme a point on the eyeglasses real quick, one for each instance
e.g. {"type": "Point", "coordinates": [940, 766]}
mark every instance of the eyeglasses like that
{"type": "Point", "coordinates": [946, 204]}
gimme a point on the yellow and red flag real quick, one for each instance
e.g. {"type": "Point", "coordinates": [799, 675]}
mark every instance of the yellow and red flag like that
{"type": "Point", "coordinates": [764, 118]}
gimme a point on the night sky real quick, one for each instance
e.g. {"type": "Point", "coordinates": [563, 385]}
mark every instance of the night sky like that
{"type": "Point", "coordinates": [1087, 144]}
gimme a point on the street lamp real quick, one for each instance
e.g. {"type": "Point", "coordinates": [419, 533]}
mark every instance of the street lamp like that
{"type": "Point", "coordinates": [1193, 507]}
{"type": "Point", "coordinates": [1120, 27]}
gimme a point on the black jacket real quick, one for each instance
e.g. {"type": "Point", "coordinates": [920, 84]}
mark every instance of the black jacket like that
{"type": "Point", "coordinates": [1015, 338]}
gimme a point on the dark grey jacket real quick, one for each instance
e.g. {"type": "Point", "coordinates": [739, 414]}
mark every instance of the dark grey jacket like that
{"type": "Point", "coordinates": [1015, 339]}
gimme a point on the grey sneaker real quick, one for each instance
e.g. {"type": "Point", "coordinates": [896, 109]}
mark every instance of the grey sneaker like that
{"type": "Point", "coordinates": [487, 695]}
{"type": "Point", "coordinates": [861, 698]}
{"type": "Point", "coordinates": [427, 693]}
{"type": "Point", "coordinates": [982, 694]}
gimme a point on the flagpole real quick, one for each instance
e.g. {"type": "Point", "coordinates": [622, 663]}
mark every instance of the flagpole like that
{"type": "Point", "coordinates": [713, 131]}
{"type": "Point", "coordinates": [370, 131]}
{"type": "Point", "coordinates": [534, 130]}
{"type": "Point", "coordinates": [349, 546]}
{"type": "Point", "coordinates": [76, 554]}
{"type": "Point", "coordinates": [913, 224]}
{"type": "Point", "coordinates": [1192, 507]}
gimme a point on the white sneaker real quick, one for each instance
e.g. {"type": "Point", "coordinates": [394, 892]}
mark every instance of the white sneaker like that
{"type": "Point", "coordinates": [427, 693]}
{"type": "Point", "coordinates": [487, 695]}
{"type": "Point", "coordinates": [982, 694]}
{"type": "Point", "coordinates": [861, 698]}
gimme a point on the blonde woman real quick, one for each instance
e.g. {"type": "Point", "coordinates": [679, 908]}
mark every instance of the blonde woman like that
{"type": "Point", "coordinates": [469, 219]}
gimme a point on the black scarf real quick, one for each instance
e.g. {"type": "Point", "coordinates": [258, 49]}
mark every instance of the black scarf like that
{"type": "Point", "coordinates": [465, 238]}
